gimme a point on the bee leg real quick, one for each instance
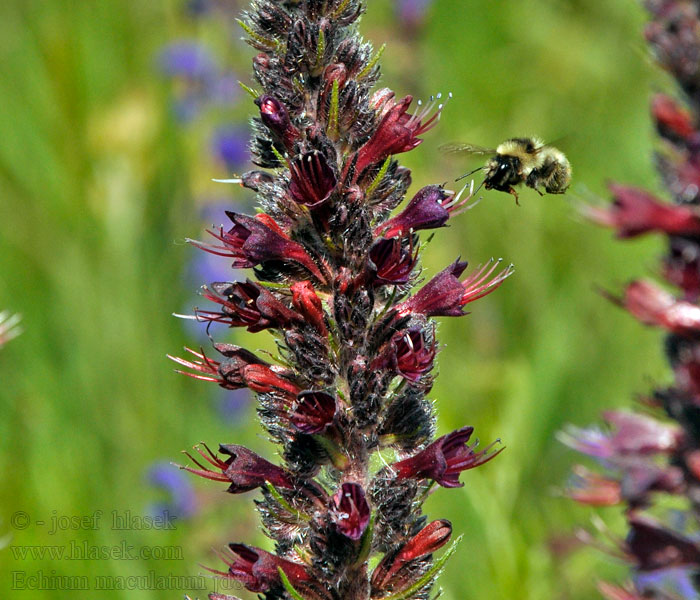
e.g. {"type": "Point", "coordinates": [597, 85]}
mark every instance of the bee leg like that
{"type": "Point", "coordinates": [512, 191]}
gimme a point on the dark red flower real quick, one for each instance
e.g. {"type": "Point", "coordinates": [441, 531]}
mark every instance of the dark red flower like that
{"type": "Point", "coordinates": [414, 358]}
{"type": "Point", "coordinates": [397, 131]}
{"type": "Point", "coordinates": [253, 180]}
{"type": "Point", "coordinates": [241, 368]}
{"type": "Point", "coordinates": [654, 306]}
{"type": "Point", "coordinates": [407, 354]}
{"type": "Point", "coordinates": [313, 411]}
{"type": "Point", "coordinates": [634, 434]}
{"type": "Point", "coordinates": [652, 546]}
{"type": "Point", "coordinates": [244, 469]}
{"type": "Point", "coordinates": [634, 212]}
{"type": "Point", "coordinates": [682, 267]}
{"type": "Point", "coordinates": [445, 295]}
{"type": "Point", "coordinates": [227, 373]}
{"type": "Point", "coordinates": [430, 208]}
{"type": "Point", "coordinates": [307, 302]}
{"type": "Point", "coordinates": [255, 240]}
{"type": "Point", "coordinates": [391, 261]}
{"type": "Point", "coordinates": [350, 510]}
{"type": "Point", "coordinates": [248, 304]}
{"type": "Point", "coordinates": [672, 120]}
{"type": "Point", "coordinates": [265, 380]}
{"type": "Point", "coordinates": [257, 569]}
{"type": "Point", "coordinates": [593, 489]}
{"type": "Point", "coordinates": [429, 539]}
{"type": "Point", "coordinates": [312, 179]}
{"type": "Point", "coordinates": [445, 459]}
{"type": "Point", "coordinates": [276, 118]}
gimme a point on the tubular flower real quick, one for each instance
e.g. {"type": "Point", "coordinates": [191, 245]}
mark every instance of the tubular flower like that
{"type": "Point", "coordinates": [312, 181]}
{"type": "Point", "coordinates": [252, 241]}
{"type": "Point", "coordinates": [333, 280]}
{"type": "Point", "coordinates": [391, 262]}
{"type": "Point", "coordinates": [398, 131]}
{"type": "Point", "coordinates": [430, 208]}
{"type": "Point", "coordinates": [653, 306]}
{"type": "Point", "coordinates": [275, 116]}
{"type": "Point", "coordinates": [258, 570]}
{"type": "Point", "coordinates": [651, 461]}
{"type": "Point", "coordinates": [307, 302]}
{"type": "Point", "coordinates": [634, 212]}
{"type": "Point", "coordinates": [428, 540]}
{"type": "Point", "coordinates": [244, 469]}
{"type": "Point", "coordinates": [408, 354]}
{"type": "Point", "coordinates": [247, 305]}
{"type": "Point", "coordinates": [445, 295]}
{"type": "Point", "coordinates": [350, 510]}
{"type": "Point", "coordinates": [313, 412]}
{"type": "Point", "coordinates": [445, 459]}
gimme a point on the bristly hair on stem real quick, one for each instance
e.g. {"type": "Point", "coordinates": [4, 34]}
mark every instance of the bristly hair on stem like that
{"type": "Point", "coordinates": [334, 278]}
{"type": "Point", "coordinates": [652, 457]}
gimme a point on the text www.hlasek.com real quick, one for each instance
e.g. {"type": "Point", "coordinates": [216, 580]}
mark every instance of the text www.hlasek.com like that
{"type": "Point", "coordinates": [75, 550]}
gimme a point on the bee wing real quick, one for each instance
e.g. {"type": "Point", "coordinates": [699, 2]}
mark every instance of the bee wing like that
{"type": "Point", "coordinates": [465, 149]}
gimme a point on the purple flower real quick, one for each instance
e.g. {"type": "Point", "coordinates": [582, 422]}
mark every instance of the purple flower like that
{"type": "Point", "coordinates": [411, 13]}
{"type": "Point", "coordinates": [182, 502]}
{"type": "Point", "coordinates": [407, 354]}
{"type": "Point", "coordinates": [445, 459]}
{"type": "Point", "coordinates": [189, 60]}
{"type": "Point", "coordinates": [350, 510]}
{"type": "Point", "coordinates": [635, 434]}
{"type": "Point", "coordinates": [654, 306]}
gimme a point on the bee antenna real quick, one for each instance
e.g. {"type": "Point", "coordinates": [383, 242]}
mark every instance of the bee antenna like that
{"type": "Point", "coordinates": [476, 191]}
{"type": "Point", "coordinates": [470, 173]}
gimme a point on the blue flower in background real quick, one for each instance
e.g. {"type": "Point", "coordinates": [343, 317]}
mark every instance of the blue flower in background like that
{"type": "Point", "coordinates": [189, 60]}
{"type": "Point", "coordinates": [200, 79]}
{"type": "Point", "coordinates": [229, 144]}
{"type": "Point", "coordinates": [675, 582]}
{"type": "Point", "coordinates": [181, 501]}
{"type": "Point", "coordinates": [412, 13]}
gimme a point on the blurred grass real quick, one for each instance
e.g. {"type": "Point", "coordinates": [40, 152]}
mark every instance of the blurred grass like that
{"type": "Point", "coordinates": [97, 180]}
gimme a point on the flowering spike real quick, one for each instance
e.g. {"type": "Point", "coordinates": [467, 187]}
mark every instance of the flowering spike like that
{"type": "Point", "coordinates": [333, 279]}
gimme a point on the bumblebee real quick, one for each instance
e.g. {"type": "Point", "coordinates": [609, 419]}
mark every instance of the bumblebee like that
{"type": "Point", "coordinates": [521, 160]}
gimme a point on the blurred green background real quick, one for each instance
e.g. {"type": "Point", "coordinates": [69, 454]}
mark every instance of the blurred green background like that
{"type": "Point", "coordinates": [100, 183]}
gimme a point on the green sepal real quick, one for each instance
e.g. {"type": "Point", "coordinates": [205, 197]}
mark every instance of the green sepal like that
{"type": "Point", "coordinates": [380, 175]}
{"type": "Point", "coordinates": [253, 93]}
{"type": "Point", "coordinates": [284, 504]}
{"type": "Point", "coordinates": [427, 577]}
{"type": "Point", "coordinates": [370, 65]}
{"type": "Point", "coordinates": [288, 585]}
